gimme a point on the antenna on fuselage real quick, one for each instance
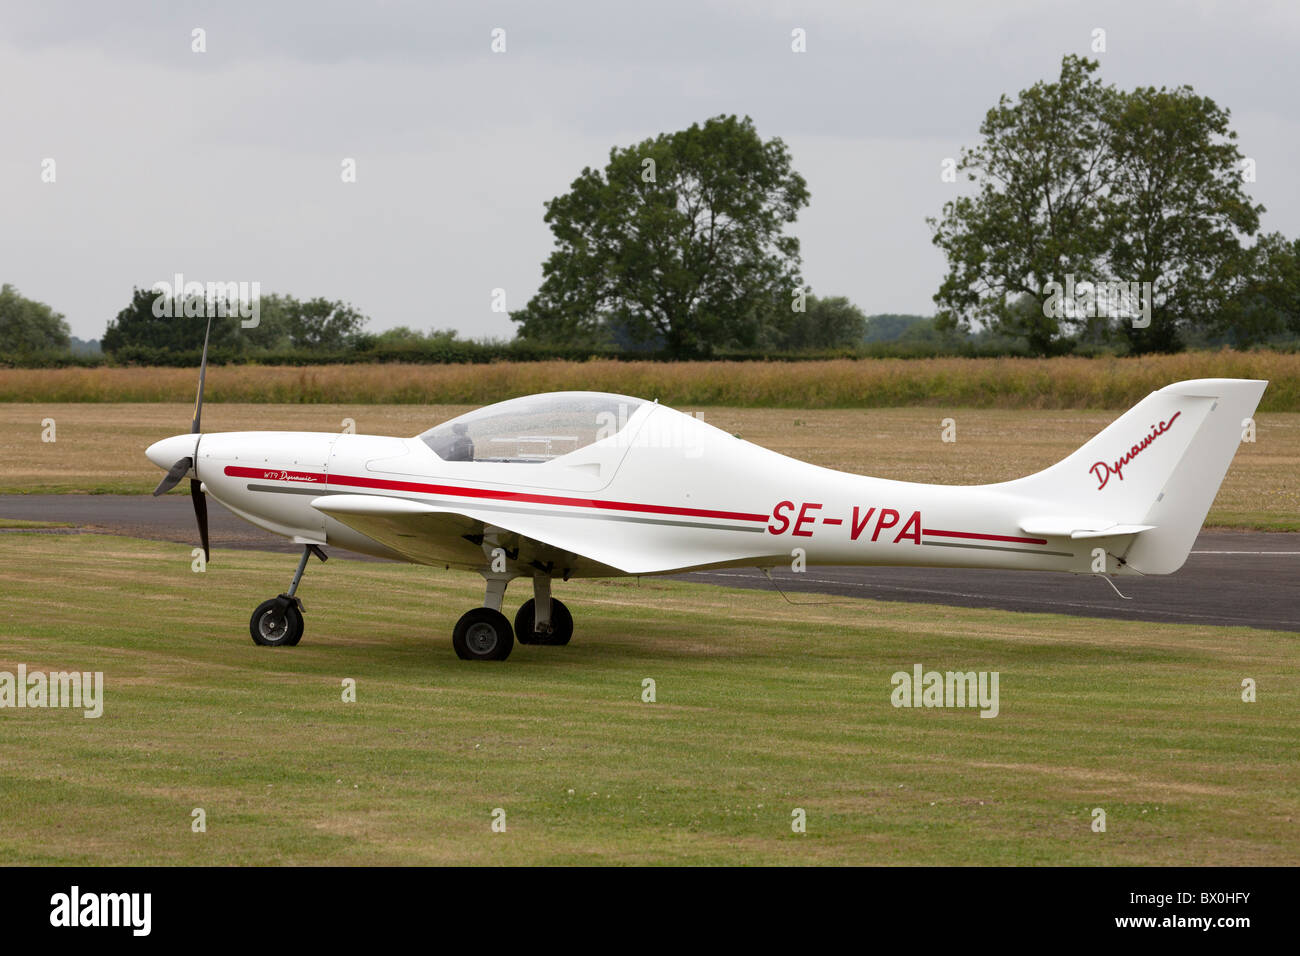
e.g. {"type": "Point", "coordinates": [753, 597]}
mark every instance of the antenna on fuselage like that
{"type": "Point", "coordinates": [767, 573]}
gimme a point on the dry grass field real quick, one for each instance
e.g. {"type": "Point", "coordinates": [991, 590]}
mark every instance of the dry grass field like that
{"type": "Point", "coordinates": [100, 447]}
{"type": "Point", "coordinates": [1102, 383]}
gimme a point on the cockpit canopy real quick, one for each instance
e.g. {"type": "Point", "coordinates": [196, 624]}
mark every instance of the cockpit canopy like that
{"type": "Point", "coordinates": [532, 429]}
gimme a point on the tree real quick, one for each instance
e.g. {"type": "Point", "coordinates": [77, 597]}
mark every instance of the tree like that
{"type": "Point", "coordinates": [892, 326]}
{"type": "Point", "coordinates": [400, 335]}
{"type": "Point", "coordinates": [283, 322]}
{"type": "Point", "coordinates": [1175, 210]}
{"type": "Point", "coordinates": [1044, 160]}
{"type": "Point", "coordinates": [28, 326]}
{"type": "Point", "coordinates": [824, 324]}
{"type": "Point", "coordinates": [1266, 303]}
{"type": "Point", "coordinates": [319, 324]}
{"type": "Point", "coordinates": [403, 337]}
{"type": "Point", "coordinates": [1088, 188]}
{"type": "Point", "coordinates": [272, 332]}
{"type": "Point", "coordinates": [143, 323]}
{"type": "Point", "coordinates": [680, 239]}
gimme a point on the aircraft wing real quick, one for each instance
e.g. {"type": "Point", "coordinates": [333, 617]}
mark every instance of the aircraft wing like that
{"type": "Point", "coordinates": [466, 537]}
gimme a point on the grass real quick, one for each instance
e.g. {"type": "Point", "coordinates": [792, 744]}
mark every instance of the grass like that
{"type": "Point", "coordinates": [100, 447]}
{"type": "Point", "coordinates": [14, 524]}
{"type": "Point", "coordinates": [762, 708]}
{"type": "Point", "coordinates": [1079, 383]}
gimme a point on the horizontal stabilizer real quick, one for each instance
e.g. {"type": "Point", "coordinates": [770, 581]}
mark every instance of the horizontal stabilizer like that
{"type": "Point", "coordinates": [1076, 528]}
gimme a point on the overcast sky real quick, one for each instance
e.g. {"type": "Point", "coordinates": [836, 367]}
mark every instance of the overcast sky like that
{"type": "Point", "coordinates": [226, 165]}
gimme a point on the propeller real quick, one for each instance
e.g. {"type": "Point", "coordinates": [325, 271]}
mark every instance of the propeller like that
{"type": "Point", "coordinates": [174, 474]}
{"type": "Point", "coordinates": [200, 512]}
{"type": "Point", "coordinates": [181, 468]}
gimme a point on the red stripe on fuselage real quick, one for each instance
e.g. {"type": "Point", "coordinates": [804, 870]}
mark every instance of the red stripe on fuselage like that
{"type": "Point", "coordinates": [985, 537]}
{"type": "Point", "coordinates": [307, 477]}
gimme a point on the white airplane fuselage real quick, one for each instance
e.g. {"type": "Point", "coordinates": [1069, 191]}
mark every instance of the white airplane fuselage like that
{"type": "Point", "coordinates": [758, 506]}
{"type": "Point", "coordinates": [674, 493]}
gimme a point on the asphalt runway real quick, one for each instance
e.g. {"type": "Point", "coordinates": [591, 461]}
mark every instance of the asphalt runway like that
{"type": "Point", "coordinates": [1249, 579]}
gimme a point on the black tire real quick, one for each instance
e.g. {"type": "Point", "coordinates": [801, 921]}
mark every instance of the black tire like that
{"type": "Point", "coordinates": [561, 624]}
{"type": "Point", "coordinates": [483, 635]}
{"type": "Point", "coordinates": [276, 623]}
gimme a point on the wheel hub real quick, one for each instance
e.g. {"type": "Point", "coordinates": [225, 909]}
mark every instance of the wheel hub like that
{"type": "Point", "coordinates": [481, 637]}
{"type": "Point", "coordinates": [272, 625]}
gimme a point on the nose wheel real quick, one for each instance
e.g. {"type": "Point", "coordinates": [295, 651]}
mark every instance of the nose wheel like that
{"type": "Point", "coordinates": [278, 622]}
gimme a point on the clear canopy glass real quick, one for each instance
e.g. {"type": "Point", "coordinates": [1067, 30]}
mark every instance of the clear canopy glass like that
{"type": "Point", "coordinates": [532, 429]}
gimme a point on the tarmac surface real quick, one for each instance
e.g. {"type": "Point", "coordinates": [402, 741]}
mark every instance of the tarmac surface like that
{"type": "Point", "coordinates": [1232, 578]}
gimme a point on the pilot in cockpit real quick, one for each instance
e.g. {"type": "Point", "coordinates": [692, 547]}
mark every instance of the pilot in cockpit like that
{"type": "Point", "coordinates": [460, 447]}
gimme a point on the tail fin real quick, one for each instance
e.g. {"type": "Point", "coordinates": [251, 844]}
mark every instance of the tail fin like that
{"type": "Point", "coordinates": [1154, 472]}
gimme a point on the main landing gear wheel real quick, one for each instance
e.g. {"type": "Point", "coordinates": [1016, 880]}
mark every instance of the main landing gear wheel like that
{"type": "Point", "coordinates": [561, 624]}
{"type": "Point", "coordinates": [483, 635]}
{"type": "Point", "coordinates": [276, 623]}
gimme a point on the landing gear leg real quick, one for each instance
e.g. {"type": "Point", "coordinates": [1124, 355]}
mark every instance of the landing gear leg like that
{"type": "Point", "coordinates": [484, 634]}
{"type": "Point", "coordinates": [544, 619]}
{"type": "Point", "coordinates": [278, 622]}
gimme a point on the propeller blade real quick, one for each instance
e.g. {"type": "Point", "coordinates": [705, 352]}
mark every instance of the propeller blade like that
{"type": "Point", "coordinates": [200, 512]}
{"type": "Point", "coordinates": [173, 476]}
{"type": "Point", "coordinates": [203, 374]}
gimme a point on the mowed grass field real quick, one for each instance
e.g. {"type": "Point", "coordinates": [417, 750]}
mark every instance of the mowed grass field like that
{"type": "Point", "coordinates": [99, 447]}
{"type": "Point", "coordinates": [761, 708]}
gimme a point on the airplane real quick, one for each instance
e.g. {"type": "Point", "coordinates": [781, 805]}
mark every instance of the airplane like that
{"type": "Point", "coordinates": [591, 484]}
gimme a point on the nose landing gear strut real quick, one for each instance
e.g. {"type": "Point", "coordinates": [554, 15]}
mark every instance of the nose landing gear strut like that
{"type": "Point", "coordinates": [278, 622]}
